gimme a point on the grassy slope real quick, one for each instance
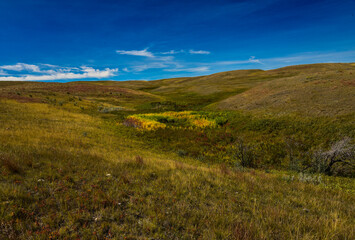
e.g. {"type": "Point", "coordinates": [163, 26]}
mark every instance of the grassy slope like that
{"type": "Point", "coordinates": [68, 168]}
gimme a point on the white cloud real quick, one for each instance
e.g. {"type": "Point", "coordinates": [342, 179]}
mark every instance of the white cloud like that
{"type": "Point", "coordinates": [61, 74]}
{"type": "Point", "coordinates": [90, 72]}
{"type": "Point", "coordinates": [191, 51]}
{"type": "Point", "coordinates": [194, 69]}
{"type": "Point", "coordinates": [143, 53]}
{"type": "Point", "coordinates": [21, 67]}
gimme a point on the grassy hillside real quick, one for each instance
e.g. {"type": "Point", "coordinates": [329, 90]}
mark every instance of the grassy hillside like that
{"type": "Point", "coordinates": [316, 89]}
{"type": "Point", "coordinates": [324, 89]}
{"type": "Point", "coordinates": [165, 160]}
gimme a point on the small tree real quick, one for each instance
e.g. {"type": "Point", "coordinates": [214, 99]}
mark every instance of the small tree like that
{"type": "Point", "coordinates": [245, 154]}
{"type": "Point", "coordinates": [341, 155]}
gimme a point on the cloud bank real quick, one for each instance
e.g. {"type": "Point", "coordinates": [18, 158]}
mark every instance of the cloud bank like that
{"type": "Point", "coordinates": [51, 72]}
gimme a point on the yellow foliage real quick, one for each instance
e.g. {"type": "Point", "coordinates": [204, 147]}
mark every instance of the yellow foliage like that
{"type": "Point", "coordinates": [185, 119]}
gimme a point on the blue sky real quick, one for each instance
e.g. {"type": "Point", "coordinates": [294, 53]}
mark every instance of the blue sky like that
{"type": "Point", "coordinates": [62, 40]}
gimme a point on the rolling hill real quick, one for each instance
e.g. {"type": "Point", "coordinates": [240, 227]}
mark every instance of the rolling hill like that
{"type": "Point", "coordinates": [316, 89]}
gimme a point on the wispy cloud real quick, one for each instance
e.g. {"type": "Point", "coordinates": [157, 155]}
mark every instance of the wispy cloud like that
{"type": "Point", "coordinates": [150, 65]}
{"type": "Point", "coordinates": [162, 60]}
{"type": "Point", "coordinates": [172, 52]}
{"type": "Point", "coordinates": [156, 60]}
{"type": "Point", "coordinates": [36, 73]}
{"type": "Point", "coordinates": [344, 56]}
{"type": "Point", "coordinates": [252, 59]}
{"type": "Point", "coordinates": [300, 58]}
{"type": "Point", "coordinates": [194, 69]}
{"type": "Point", "coordinates": [191, 51]}
{"type": "Point", "coordinates": [146, 53]}
{"type": "Point", "coordinates": [142, 53]}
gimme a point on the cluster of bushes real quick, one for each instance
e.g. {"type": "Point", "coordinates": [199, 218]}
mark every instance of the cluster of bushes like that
{"type": "Point", "coordinates": [338, 160]}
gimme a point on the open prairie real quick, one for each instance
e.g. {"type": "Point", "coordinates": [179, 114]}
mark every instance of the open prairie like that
{"type": "Point", "coordinates": [246, 154]}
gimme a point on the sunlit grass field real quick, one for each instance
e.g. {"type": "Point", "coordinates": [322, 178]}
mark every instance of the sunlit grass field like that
{"type": "Point", "coordinates": [102, 161]}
